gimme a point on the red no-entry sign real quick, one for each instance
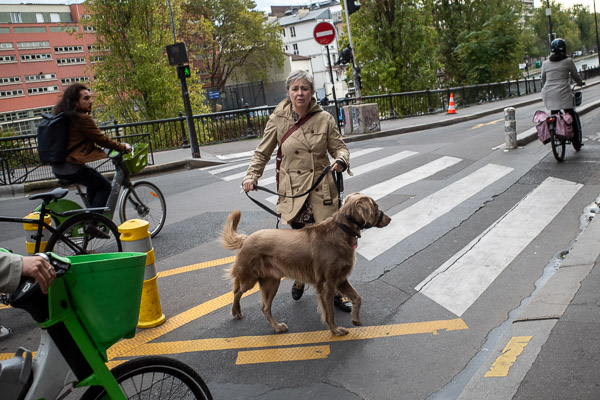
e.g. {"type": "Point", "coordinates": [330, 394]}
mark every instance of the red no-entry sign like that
{"type": "Point", "coordinates": [324, 33]}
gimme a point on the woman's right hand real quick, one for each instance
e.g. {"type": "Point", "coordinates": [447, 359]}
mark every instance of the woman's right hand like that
{"type": "Point", "coordinates": [248, 186]}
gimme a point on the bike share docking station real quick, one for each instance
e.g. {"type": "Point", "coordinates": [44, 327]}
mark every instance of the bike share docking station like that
{"type": "Point", "coordinates": [135, 237]}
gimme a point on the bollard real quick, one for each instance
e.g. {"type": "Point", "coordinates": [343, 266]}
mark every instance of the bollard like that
{"type": "Point", "coordinates": [31, 233]}
{"type": "Point", "coordinates": [135, 237]}
{"type": "Point", "coordinates": [510, 128]}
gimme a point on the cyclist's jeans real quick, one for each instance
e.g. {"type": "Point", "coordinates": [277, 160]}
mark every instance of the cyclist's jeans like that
{"type": "Point", "coordinates": [98, 187]}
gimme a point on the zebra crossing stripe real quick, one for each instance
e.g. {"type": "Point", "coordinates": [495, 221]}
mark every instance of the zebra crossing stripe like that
{"type": "Point", "coordinates": [459, 282]}
{"type": "Point", "coordinates": [382, 189]}
{"type": "Point", "coordinates": [271, 166]}
{"type": "Point", "coordinates": [410, 220]}
{"type": "Point", "coordinates": [365, 168]}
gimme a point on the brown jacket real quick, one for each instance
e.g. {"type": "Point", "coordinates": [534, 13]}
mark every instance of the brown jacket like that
{"type": "Point", "coordinates": [85, 136]}
{"type": "Point", "coordinates": [304, 157]}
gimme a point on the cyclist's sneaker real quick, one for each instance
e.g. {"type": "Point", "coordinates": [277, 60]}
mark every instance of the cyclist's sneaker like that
{"type": "Point", "coordinates": [96, 232]}
{"type": "Point", "coordinates": [4, 331]}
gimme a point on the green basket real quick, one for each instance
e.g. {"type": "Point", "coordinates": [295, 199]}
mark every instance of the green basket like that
{"type": "Point", "coordinates": [137, 159]}
{"type": "Point", "coordinates": [106, 290]}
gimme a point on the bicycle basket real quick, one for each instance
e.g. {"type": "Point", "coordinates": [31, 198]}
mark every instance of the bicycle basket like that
{"type": "Point", "coordinates": [578, 98]}
{"type": "Point", "coordinates": [137, 159]}
{"type": "Point", "coordinates": [106, 290]}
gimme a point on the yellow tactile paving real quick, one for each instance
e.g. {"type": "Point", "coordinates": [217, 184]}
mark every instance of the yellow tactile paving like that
{"type": "Point", "coordinates": [280, 355]}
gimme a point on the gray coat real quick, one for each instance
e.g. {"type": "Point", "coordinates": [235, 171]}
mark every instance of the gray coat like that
{"type": "Point", "coordinates": [11, 268]}
{"type": "Point", "coordinates": [556, 78]}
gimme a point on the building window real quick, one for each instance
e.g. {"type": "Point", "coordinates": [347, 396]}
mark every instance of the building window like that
{"type": "Point", "coordinates": [68, 81]}
{"type": "Point", "coordinates": [8, 59]}
{"type": "Point", "coordinates": [283, 32]}
{"type": "Point", "coordinates": [9, 80]}
{"type": "Point", "coordinates": [39, 78]}
{"type": "Point", "coordinates": [42, 90]}
{"type": "Point", "coordinates": [39, 17]}
{"type": "Point", "coordinates": [35, 57]}
{"type": "Point", "coordinates": [54, 18]}
{"type": "Point", "coordinates": [295, 46]}
{"type": "Point", "coordinates": [11, 93]}
{"type": "Point", "coordinates": [32, 45]}
{"type": "Point", "coordinates": [70, 61]}
{"type": "Point", "coordinates": [292, 31]}
{"type": "Point", "coordinates": [6, 46]}
{"type": "Point", "coordinates": [95, 59]}
{"type": "Point", "coordinates": [68, 49]}
{"type": "Point", "coordinates": [29, 29]}
{"type": "Point", "coordinates": [89, 29]}
{"type": "Point", "coordinates": [15, 18]}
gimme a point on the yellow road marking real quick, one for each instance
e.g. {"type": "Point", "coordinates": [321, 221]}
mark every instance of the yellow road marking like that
{"type": "Point", "coordinates": [285, 354]}
{"type": "Point", "coordinates": [296, 339]}
{"type": "Point", "coordinates": [126, 347]}
{"type": "Point", "coordinates": [487, 123]}
{"type": "Point", "coordinates": [194, 267]}
{"type": "Point", "coordinates": [511, 351]}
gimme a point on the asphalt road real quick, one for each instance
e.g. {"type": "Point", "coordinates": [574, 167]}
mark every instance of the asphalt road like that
{"type": "Point", "coordinates": [475, 228]}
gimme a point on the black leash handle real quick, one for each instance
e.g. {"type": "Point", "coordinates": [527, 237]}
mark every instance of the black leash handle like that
{"type": "Point", "coordinates": [261, 205]}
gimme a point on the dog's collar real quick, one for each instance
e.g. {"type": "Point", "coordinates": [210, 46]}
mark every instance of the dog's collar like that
{"type": "Point", "coordinates": [347, 229]}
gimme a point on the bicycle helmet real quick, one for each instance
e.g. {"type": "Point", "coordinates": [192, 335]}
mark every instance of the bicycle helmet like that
{"type": "Point", "coordinates": [558, 46]}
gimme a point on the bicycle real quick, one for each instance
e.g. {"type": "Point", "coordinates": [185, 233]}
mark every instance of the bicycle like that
{"type": "Point", "coordinates": [79, 231]}
{"type": "Point", "coordinates": [93, 302]}
{"type": "Point", "coordinates": [559, 142]}
{"type": "Point", "coordinates": [141, 199]}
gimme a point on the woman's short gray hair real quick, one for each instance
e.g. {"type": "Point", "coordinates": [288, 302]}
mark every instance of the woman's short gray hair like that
{"type": "Point", "coordinates": [295, 75]}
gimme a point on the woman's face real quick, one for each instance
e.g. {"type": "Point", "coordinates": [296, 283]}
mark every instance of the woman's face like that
{"type": "Point", "coordinates": [300, 94]}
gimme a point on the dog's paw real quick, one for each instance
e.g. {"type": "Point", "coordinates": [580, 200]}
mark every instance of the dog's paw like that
{"type": "Point", "coordinates": [357, 322]}
{"type": "Point", "coordinates": [339, 331]}
{"type": "Point", "coordinates": [237, 315]}
{"type": "Point", "coordinates": [281, 328]}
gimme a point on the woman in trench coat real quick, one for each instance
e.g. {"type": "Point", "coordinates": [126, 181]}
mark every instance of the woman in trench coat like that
{"type": "Point", "coordinates": [304, 157]}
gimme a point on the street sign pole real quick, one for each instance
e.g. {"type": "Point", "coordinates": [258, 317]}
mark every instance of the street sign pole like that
{"type": "Point", "coordinates": [324, 34]}
{"type": "Point", "coordinates": [189, 117]}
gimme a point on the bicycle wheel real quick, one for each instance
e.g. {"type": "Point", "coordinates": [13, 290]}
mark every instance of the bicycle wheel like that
{"type": "Point", "coordinates": [85, 233]}
{"type": "Point", "coordinates": [146, 202]}
{"type": "Point", "coordinates": [577, 140]}
{"type": "Point", "coordinates": [155, 377]}
{"type": "Point", "coordinates": [558, 146]}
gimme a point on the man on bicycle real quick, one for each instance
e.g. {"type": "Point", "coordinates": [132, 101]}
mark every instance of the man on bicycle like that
{"type": "Point", "coordinates": [84, 138]}
{"type": "Point", "coordinates": [557, 73]}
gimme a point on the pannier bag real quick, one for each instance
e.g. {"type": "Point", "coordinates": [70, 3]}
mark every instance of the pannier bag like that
{"type": "Point", "coordinates": [539, 118]}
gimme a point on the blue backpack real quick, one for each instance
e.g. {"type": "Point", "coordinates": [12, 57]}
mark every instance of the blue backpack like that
{"type": "Point", "coordinates": [52, 138]}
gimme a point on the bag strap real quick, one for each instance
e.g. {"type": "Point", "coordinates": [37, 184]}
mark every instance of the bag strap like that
{"type": "Point", "coordinates": [283, 138]}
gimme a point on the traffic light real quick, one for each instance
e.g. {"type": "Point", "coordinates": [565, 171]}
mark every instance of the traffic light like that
{"type": "Point", "coordinates": [345, 56]}
{"type": "Point", "coordinates": [184, 71]}
{"type": "Point", "coordinates": [352, 6]}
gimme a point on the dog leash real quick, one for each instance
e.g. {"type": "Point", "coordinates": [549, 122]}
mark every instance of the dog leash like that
{"type": "Point", "coordinates": [267, 209]}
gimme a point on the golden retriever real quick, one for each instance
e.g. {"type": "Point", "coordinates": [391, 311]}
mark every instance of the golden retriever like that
{"type": "Point", "coordinates": [322, 255]}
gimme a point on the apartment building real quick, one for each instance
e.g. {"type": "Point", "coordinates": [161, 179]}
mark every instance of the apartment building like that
{"type": "Point", "coordinates": [42, 50]}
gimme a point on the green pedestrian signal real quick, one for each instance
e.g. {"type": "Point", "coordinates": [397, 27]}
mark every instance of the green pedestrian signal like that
{"type": "Point", "coordinates": [184, 71]}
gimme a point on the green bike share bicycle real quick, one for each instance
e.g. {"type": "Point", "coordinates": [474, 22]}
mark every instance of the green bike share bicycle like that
{"type": "Point", "coordinates": [140, 199]}
{"type": "Point", "coordinates": [93, 302]}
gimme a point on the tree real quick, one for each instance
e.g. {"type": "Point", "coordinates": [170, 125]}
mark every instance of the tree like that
{"type": "Point", "coordinates": [404, 58]}
{"type": "Point", "coordinates": [467, 28]}
{"type": "Point", "coordinates": [229, 35]}
{"type": "Point", "coordinates": [132, 77]}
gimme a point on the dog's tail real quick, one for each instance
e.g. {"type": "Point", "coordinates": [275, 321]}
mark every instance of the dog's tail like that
{"type": "Point", "coordinates": [230, 239]}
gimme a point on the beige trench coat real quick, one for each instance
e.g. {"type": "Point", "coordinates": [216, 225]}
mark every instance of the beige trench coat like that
{"type": "Point", "coordinates": [556, 77]}
{"type": "Point", "coordinates": [304, 157]}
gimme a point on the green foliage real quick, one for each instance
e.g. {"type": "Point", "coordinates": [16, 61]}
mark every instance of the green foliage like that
{"type": "Point", "coordinates": [404, 57]}
{"type": "Point", "coordinates": [229, 35]}
{"type": "Point", "coordinates": [492, 53]}
{"type": "Point", "coordinates": [133, 80]}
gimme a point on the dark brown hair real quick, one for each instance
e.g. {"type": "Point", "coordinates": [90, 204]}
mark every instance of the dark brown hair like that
{"type": "Point", "coordinates": [68, 101]}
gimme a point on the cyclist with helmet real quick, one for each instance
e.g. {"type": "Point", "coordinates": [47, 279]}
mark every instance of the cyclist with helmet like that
{"type": "Point", "coordinates": [557, 73]}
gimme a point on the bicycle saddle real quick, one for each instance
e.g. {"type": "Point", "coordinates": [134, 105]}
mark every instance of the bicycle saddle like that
{"type": "Point", "coordinates": [56, 194]}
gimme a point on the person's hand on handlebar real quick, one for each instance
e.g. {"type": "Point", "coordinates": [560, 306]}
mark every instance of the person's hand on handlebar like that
{"type": "Point", "coordinates": [128, 147]}
{"type": "Point", "coordinates": [38, 268]}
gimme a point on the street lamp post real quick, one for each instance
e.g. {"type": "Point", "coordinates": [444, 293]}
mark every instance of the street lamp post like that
{"type": "Point", "coordinates": [597, 41]}
{"type": "Point", "coordinates": [548, 14]}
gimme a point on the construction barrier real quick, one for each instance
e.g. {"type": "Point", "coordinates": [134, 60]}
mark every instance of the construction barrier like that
{"type": "Point", "coordinates": [31, 232]}
{"type": "Point", "coordinates": [451, 109]}
{"type": "Point", "coordinates": [135, 237]}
